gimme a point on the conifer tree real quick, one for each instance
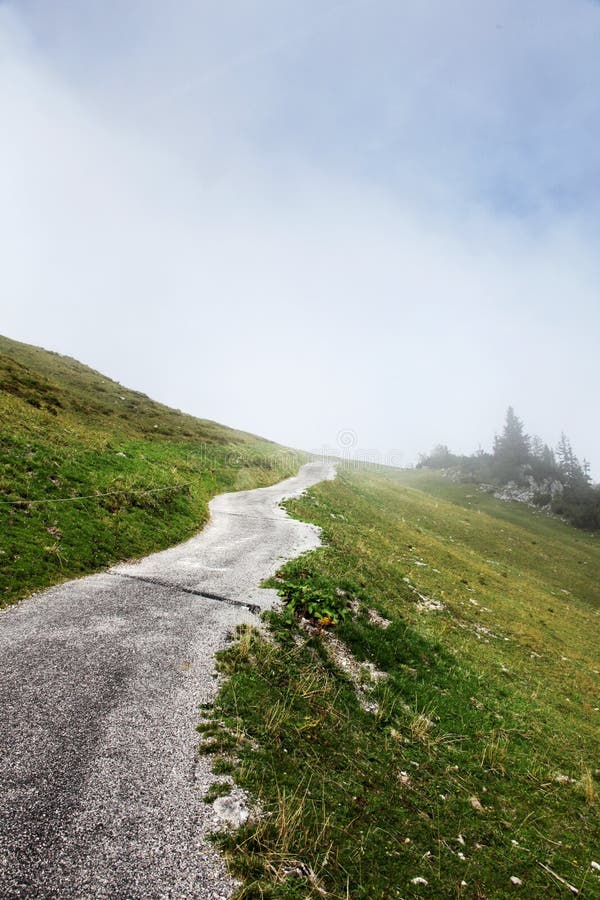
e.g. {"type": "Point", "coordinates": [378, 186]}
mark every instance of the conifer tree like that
{"type": "Point", "coordinates": [511, 448]}
{"type": "Point", "coordinates": [542, 461]}
{"type": "Point", "coordinates": [571, 470]}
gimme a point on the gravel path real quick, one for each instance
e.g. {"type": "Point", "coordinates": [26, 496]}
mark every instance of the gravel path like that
{"type": "Point", "coordinates": [100, 682]}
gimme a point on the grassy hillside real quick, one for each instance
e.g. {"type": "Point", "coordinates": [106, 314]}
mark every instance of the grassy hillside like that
{"type": "Point", "coordinates": [144, 472]}
{"type": "Point", "coordinates": [446, 745]}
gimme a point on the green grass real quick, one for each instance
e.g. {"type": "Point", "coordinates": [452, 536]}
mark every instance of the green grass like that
{"type": "Point", "coordinates": [480, 759]}
{"type": "Point", "coordinates": [145, 472]}
{"type": "Point", "coordinates": [480, 763]}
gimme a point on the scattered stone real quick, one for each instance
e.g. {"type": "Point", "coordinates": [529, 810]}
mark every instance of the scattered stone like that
{"type": "Point", "coordinates": [515, 880]}
{"type": "Point", "coordinates": [419, 880]}
{"type": "Point", "coordinates": [525, 494]}
{"type": "Point", "coordinates": [231, 811]}
{"type": "Point", "coordinates": [429, 605]}
{"type": "Point", "coordinates": [479, 629]}
{"type": "Point", "coordinates": [476, 804]}
{"type": "Point", "coordinates": [362, 674]}
{"type": "Point", "coordinates": [376, 619]}
{"type": "Point", "coordinates": [426, 604]}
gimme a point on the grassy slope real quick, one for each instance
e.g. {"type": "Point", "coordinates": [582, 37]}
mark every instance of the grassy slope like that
{"type": "Point", "coordinates": [67, 431]}
{"type": "Point", "coordinates": [493, 697]}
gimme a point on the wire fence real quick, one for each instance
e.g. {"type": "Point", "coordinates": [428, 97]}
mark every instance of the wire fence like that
{"type": "Point", "coordinates": [25, 502]}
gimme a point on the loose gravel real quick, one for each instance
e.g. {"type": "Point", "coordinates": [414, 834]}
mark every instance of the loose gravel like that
{"type": "Point", "coordinates": [101, 680]}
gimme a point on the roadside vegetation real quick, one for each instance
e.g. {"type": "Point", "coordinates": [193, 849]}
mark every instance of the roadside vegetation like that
{"type": "Point", "coordinates": [423, 717]}
{"type": "Point", "coordinates": [420, 719]}
{"type": "Point", "coordinates": [143, 473]}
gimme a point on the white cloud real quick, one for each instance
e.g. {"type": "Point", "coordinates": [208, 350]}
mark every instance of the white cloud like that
{"type": "Point", "coordinates": [268, 292]}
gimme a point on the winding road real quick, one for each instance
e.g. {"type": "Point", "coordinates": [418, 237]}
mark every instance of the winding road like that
{"type": "Point", "coordinates": [101, 680]}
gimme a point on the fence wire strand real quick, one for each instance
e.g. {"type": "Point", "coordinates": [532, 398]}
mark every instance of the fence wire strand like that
{"type": "Point", "coordinates": [25, 502]}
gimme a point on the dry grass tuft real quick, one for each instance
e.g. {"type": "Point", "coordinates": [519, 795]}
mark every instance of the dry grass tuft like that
{"type": "Point", "coordinates": [588, 787]}
{"type": "Point", "coordinates": [494, 753]}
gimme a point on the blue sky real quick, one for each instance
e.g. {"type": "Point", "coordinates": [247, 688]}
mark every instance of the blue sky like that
{"type": "Point", "coordinates": [304, 218]}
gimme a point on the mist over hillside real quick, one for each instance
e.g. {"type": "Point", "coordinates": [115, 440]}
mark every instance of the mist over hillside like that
{"type": "Point", "coordinates": [390, 209]}
{"type": "Point", "coordinates": [362, 230]}
{"type": "Point", "coordinates": [528, 470]}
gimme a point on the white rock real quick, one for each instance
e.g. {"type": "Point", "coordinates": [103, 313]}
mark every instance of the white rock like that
{"type": "Point", "coordinates": [515, 880]}
{"type": "Point", "coordinates": [419, 880]}
{"type": "Point", "coordinates": [231, 811]}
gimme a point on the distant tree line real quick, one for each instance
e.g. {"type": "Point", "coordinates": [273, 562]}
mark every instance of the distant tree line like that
{"type": "Point", "coordinates": [551, 478]}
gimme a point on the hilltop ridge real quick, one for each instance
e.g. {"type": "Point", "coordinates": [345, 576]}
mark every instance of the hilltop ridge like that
{"type": "Point", "coordinates": [92, 472]}
{"type": "Point", "coordinates": [50, 381]}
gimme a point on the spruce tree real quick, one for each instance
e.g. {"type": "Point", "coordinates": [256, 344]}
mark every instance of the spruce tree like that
{"type": "Point", "coordinates": [511, 449]}
{"type": "Point", "coordinates": [571, 471]}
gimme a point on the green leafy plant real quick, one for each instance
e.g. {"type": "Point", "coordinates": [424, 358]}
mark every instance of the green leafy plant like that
{"type": "Point", "coordinates": [311, 595]}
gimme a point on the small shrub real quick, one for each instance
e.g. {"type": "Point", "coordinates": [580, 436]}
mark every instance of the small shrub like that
{"type": "Point", "coordinates": [311, 595]}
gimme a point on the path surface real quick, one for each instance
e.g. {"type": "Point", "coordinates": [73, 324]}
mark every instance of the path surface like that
{"type": "Point", "coordinates": [100, 682]}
